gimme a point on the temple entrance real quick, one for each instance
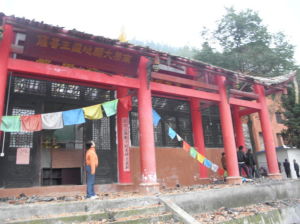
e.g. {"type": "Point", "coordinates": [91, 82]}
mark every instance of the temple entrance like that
{"type": "Point", "coordinates": [57, 156]}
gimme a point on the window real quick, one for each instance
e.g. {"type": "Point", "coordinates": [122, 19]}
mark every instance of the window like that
{"type": "Point", "coordinates": [29, 86]}
{"type": "Point", "coordinates": [65, 90]}
{"type": "Point", "coordinates": [174, 114]}
{"type": "Point", "coordinates": [279, 118]}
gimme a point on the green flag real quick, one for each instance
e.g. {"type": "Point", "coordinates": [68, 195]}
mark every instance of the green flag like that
{"type": "Point", "coordinates": [110, 107]}
{"type": "Point", "coordinates": [193, 152]}
{"type": "Point", "coordinates": [11, 124]}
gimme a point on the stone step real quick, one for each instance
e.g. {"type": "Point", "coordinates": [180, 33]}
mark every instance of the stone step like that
{"type": "Point", "coordinates": [145, 214]}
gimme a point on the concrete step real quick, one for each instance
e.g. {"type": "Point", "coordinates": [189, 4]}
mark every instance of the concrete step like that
{"type": "Point", "coordinates": [145, 214]}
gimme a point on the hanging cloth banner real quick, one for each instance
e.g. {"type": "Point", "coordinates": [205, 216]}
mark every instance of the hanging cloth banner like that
{"type": "Point", "coordinates": [31, 123]}
{"type": "Point", "coordinates": [110, 107]}
{"type": "Point", "coordinates": [207, 163]}
{"type": "Point", "coordinates": [200, 158]}
{"type": "Point", "coordinates": [221, 171]}
{"type": "Point", "coordinates": [156, 117]}
{"type": "Point", "coordinates": [52, 121]}
{"type": "Point", "coordinates": [71, 117]}
{"type": "Point", "coordinates": [126, 103]}
{"type": "Point", "coordinates": [11, 124]}
{"type": "Point", "coordinates": [93, 112]}
{"type": "Point", "coordinates": [186, 146]}
{"type": "Point", "coordinates": [171, 133]}
{"type": "Point", "coordinates": [178, 138]}
{"type": "Point", "coordinates": [214, 167]}
{"type": "Point", "coordinates": [193, 152]}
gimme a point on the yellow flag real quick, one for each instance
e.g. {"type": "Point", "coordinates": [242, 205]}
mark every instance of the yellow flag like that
{"type": "Point", "coordinates": [122, 37]}
{"type": "Point", "coordinates": [93, 112]}
{"type": "Point", "coordinates": [200, 158]}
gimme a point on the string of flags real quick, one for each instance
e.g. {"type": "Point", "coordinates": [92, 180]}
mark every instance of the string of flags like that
{"type": "Point", "coordinates": [57, 120]}
{"type": "Point", "coordinates": [188, 148]}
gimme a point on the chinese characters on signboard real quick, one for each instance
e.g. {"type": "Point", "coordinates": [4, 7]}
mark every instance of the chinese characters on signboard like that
{"type": "Point", "coordinates": [72, 53]}
{"type": "Point", "coordinates": [125, 136]}
{"type": "Point", "coordinates": [23, 155]}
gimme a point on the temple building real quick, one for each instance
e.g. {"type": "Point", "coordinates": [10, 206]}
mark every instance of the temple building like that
{"type": "Point", "coordinates": [46, 69]}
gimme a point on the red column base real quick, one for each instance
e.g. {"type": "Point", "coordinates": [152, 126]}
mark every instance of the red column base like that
{"type": "Point", "coordinates": [149, 188]}
{"type": "Point", "coordinates": [234, 180]}
{"type": "Point", "coordinates": [275, 176]}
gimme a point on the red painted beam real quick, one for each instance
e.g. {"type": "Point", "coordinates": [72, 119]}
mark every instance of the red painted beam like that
{"type": "Point", "coordinates": [247, 111]}
{"type": "Point", "coordinates": [244, 94]}
{"type": "Point", "coordinates": [163, 88]}
{"type": "Point", "coordinates": [244, 103]}
{"type": "Point", "coordinates": [65, 73]}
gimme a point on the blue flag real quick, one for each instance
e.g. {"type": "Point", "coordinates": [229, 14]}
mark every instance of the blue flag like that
{"type": "Point", "coordinates": [156, 118]}
{"type": "Point", "coordinates": [207, 163]}
{"type": "Point", "coordinates": [172, 133]}
{"type": "Point", "coordinates": [71, 117]}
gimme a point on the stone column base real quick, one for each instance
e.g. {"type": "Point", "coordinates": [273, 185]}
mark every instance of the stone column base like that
{"type": "Point", "coordinates": [234, 180]}
{"type": "Point", "coordinates": [275, 176]}
{"type": "Point", "coordinates": [149, 188]}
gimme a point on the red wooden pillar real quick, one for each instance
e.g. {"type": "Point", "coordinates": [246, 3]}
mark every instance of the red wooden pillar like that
{"type": "Point", "coordinates": [147, 147]}
{"type": "Point", "coordinates": [267, 132]}
{"type": "Point", "coordinates": [5, 45]}
{"type": "Point", "coordinates": [228, 134]}
{"type": "Point", "coordinates": [123, 141]}
{"type": "Point", "coordinates": [198, 134]}
{"type": "Point", "coordinates": [238, 127]}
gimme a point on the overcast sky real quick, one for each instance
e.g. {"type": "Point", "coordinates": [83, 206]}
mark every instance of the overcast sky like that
{"type": "Point", "coordinates": [173, 22]}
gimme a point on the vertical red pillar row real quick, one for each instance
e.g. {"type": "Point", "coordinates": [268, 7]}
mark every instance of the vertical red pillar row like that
{"type": "Point", "coordinates": [267, 132]}
{"type": "Point", "coordinates": [238, 127]}
{"type": "Point", "coordinates": [5, 44]}
{"type": "Point", "coordinates": [228, 134]}
{"type": "Point", "coordinates": [123, 141]}
{"type": "Point", "coordinates": [198, 134]}
{"type": "Point", "coordinates": [147, 147]}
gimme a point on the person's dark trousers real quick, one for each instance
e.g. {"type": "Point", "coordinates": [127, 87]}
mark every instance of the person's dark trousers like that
{"type": "Point", "coordinates": [90, 182]}
{"type": "Point", "coordinates": [297, 172]}
{"type": "Point", "coordinates": [245, 168]}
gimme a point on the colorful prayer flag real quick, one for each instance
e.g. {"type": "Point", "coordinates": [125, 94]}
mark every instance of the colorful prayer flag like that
{"type": "Point", "coordinates": [93, 112]}
{"type": "Point", "coordinates": [110, 107]}
{"type": "Point", "coordinates": [126, 103]}
{"type": "Point", "coordinates": [200, 158]}
{"type": "Point", "coordinates": [179, 138]}
{"type": "Point", "coordinates": [186, 146]}
{"type": "Point", "coordinates": [207, 163]}
{"type": "Point", "coordinates": [156, 117]}
{"type": "Point", "coordinates": [171, 133]}
{"type": "Point", "coordinates": [10, 124]}
{"type": "Point", "coordinates": [193, 152]}
{"type": "Point", "coordinates": [52, 120]}
{"type": "Point", "coordinates": [214, 167]}
{"type": "Point", "coordinates": [71, 117]}
{"type": "Point", "coordinates": [31, 123]}
{"type": "Point", "coordinates": [220, 171]}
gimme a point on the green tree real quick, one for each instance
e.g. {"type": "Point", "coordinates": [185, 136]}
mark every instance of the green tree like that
{"type": "Point", "coordinates": [247, 46]}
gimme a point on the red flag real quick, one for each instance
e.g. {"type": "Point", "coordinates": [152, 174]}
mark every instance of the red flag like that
{"type": "Point", "coordinates": [126, 103]}
{"type": "Point", "coordinates": [31, 123]}
{"type": "Point", "coordinates": [220, 171]}
{"type": "Point", "coordinates": [186, 146]}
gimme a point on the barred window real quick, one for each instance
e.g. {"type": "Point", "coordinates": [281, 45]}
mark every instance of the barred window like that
{"type": "Point", "coordinates": [101, 133]}
{"type": "Point", "coordinates": [29, 86]}
{"type": "Point", "coordinates": [21, 139]}
{"type": "Point", "coordinates": [92, 94]}
{"type": "Point", "coordinates": [174, 114]}
{"type": "Point", "coordinates": [65, 90]}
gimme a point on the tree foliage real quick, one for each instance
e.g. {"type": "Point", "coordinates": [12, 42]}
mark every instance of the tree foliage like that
{"type": "Point", "coordinates": [247, 46]}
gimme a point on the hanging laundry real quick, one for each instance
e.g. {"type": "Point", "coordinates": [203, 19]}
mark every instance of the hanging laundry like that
{"type": "Point", "coordinates": [156, 117]}
{"type": "Point", "coordinates": [186, 146]}
{"type": "Point", "coordinates": [10, 124]}
{"type": "Point", "coordinates": [214, 167]}
{"type": "Point", "coordinates": [110, 107]}
{"type": "Point", "coordinates": [31, 123]}
{"type": "Point", "coordinates": [178, 138]}
{"type": "Point", "coordinates": [200, 158]}
{"type": "Point", "coordinates": [71, 117]}
{"type": "Point", "coordinates": [93, 112]}
{"type": "Point", "coordinates": [126, 103]}
{"type": "Point", "coordinates": [171, 133]}
{"type": "Point", "coordinates": [52, 120]}
{"type": "Point", "coordinates": [207, 163]}
{"type": "Point", "coordinates": [193, 152]}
